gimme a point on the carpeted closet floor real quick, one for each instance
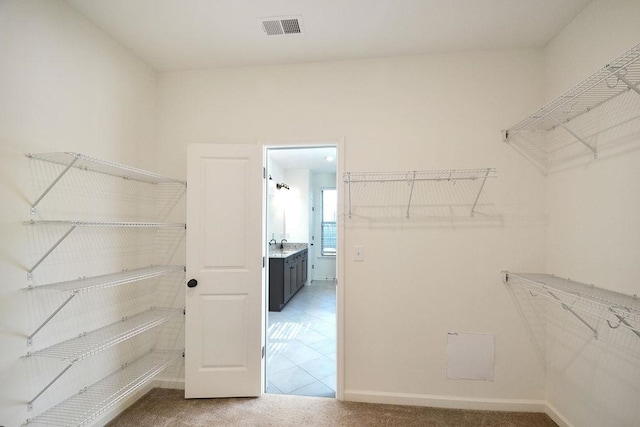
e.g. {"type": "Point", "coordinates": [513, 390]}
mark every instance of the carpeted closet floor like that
{"type": "Point", "coordinates": [167, 407]}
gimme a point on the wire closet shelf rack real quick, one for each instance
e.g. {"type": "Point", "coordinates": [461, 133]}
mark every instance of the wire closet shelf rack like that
{"type": "Point", "coordinates": [81, 161]}
{"type": "Point", "coordinates": [531, 136]}
{"type": "Point", "coordinates": [91, 402]}
{"type": "Point", "coordinates": [411, 177]}
{"type": "Point", "coordinates": [579, 298]}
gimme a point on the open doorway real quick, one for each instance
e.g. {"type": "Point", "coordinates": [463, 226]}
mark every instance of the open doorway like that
{"type": "Point", "coordinates": [301, 231]}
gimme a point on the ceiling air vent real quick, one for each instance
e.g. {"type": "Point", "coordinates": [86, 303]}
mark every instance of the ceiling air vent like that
{"type": "Point", "coordinates": [276, 25]}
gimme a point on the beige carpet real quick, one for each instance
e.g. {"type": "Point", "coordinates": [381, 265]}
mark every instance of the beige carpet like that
{"type": "Point", "coordinates": [165, 407]}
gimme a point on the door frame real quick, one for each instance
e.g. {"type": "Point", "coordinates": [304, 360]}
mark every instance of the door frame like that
{"type": "Point", "coordinates": [339, 144]}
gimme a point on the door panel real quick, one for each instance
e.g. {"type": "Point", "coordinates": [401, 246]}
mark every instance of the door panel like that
{"type": "Point", "coordinates": [224, 312]}
{"type": "Point", "coordinates": [232, 353]}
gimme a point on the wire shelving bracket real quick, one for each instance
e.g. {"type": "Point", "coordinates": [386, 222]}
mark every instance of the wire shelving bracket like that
{"type": "Point", "coordinates": [88, 284]}
{"type": "Point", "coordinates": [530, 136]}
{"type": "Point", "coordinates": [615, 308]}
{"type": "Point", "coordinates": [411, 177]}
{"type": "Point", "coordinates": [81, 161]}
{"type": "Point", "coordinates": [92, 401]}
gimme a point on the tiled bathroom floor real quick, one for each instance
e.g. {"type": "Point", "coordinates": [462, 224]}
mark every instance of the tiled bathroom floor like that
{"type": "Point", "coordinates": [301, 343]}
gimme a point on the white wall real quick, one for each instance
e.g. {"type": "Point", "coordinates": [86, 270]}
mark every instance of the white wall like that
{"type": "Point", "coordinates": [288, 209]}
{"type": "Point", "coordinates": [420, 279]}
{"type": "Point", "coordinates": [297, 205]}
{"type": "Point", "coordinates": [64, 86]}
{"type": "Point", "coordinates": [275, 202]}
{"type": "Point", "coordinates": [594, 232]}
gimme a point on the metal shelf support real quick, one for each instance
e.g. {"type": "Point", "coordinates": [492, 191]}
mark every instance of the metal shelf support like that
{"type": "Point", "coordinates": [580, 318]}
{"type": "Point", "coordinates": [484, 181]}
{"type": "Point", "coordinates": [578, 138]}
{"type": "Point", "coordinates": [412, 181]}
{"type": "Point", "coordinates": [53, 183]}
{"type": "Point", "coordinates": [627, 82]}
{"type": "Point", "coordinates": [51, 316]}
{"type": "Point", "coordinates": [624, 322]}
{"type": "Point", "coordinates": [55, 245]}
{"type": "Point", "coordinates": [348, 175]}
{"type": "Point", "coordinates": [56, 378]}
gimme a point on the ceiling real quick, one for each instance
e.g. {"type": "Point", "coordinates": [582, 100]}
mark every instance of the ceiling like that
{"type": "Point", "coordinates": [195, 34]}
{"type": "Point", "coordinates": [313, 158]}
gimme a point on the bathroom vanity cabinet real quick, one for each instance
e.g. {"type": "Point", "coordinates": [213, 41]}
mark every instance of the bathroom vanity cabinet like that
{"type": "Point", "coordinates": [287, 274]}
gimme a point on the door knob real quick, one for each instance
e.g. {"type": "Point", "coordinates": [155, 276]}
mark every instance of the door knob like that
{"type": "Point", "coordinates": [192, 283]}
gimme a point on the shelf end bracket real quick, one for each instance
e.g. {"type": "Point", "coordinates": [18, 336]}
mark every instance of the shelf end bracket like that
{"type": "Point", "coordinates": [624, 322]}
{"type": "Point", "coordinates": [627, 82]}
{"type": "Point", "coordinates": [53, 183]}
{"type": "Point", "coordinates": [51, 249]}
{"type": "Point", "coordinates": [51, 316]}
{"type": "Point", "coordinates": [413, 181]}
{"type": "Point", "coordinates": [349, 191]}
{"type": "Point", "coordinates": [484, 180]}
{"type": "Point", "coordinates": [30, 403]}
{"type": "Point", "coordinates": [569, 309]}
{"type": "Point", "coordinates": [579, 138]}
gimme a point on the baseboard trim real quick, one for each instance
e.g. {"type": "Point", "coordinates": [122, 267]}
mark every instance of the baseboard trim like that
{"type": "Point", "coordinates": [449, 402]}
{"type": "Point", "coordinates": [556, 416]}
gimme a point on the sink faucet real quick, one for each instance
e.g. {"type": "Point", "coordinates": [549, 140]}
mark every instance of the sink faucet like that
{"type": "Point", "coordinates": [282, 242]}
{"type": "Point", "coordinates": [272, 242]}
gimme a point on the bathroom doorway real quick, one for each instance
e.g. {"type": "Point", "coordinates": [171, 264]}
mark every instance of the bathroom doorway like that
{"type": "Point", "coordinates": [301, 321]}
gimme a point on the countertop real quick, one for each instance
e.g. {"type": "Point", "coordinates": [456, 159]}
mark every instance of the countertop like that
{"type": "Point", "coordinates": [288, 249]}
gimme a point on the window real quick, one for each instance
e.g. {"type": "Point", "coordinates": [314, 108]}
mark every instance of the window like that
{"type": "Point", "coordinates": [328, 226]}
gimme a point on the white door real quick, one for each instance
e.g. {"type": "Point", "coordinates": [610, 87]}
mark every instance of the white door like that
{"type": "Point", "coordinates": [224, 310]}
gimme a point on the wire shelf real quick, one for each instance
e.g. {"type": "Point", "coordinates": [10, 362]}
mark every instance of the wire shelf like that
{"type": "Point", "coordinates": [82, 161]}
{"type": "Point", "coordinates": [616, 308]}
{"type": "Point", "coordinates": [72, 225]}
{"type": "Point", "coordinates": [95, 400]}
{"type": "Point", "coordinates": [89, 284]}
{"type": "Point", "coordinates": [429, 175]}
{"type": "Point", "coordinates": [124, 224]}
{"type": "Point", "coordinates": [530, 135]}
{"type": "Point", "coordinates": [96, 341]}
{"type": "Point", "coordinates": [359, 180]}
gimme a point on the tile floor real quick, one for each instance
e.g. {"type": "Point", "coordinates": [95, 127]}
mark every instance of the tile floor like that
{"type": "Point", "coordinates": [301, 343]}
